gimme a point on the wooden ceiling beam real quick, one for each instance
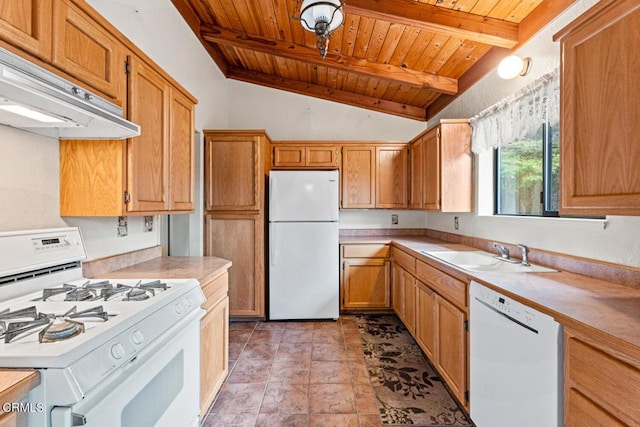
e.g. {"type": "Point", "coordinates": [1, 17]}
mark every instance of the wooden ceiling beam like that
{"type": "Point", "coordinates": [432, 18]}
{"type": "Point", "coordinates": [229, 37]}
{"type": "Point", "coordinates": [317, 91]}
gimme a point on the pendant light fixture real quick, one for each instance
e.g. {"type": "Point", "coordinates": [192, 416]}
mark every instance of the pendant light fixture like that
{"type": "Point", "coordinates": [321, 18]}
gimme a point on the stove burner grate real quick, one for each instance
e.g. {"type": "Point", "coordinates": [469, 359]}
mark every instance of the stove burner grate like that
{"type": "Point", "coordinates": [52, 327]}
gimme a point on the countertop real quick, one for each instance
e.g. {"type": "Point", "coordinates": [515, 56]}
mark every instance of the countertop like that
{"type": "Point", "coordinates": [204, 269]}
{"type": "Point", "coordinates": [16, 383]}
{"type": "Point", "coordinates": [577, 301]}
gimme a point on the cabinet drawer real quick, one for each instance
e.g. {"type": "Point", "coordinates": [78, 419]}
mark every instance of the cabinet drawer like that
{"type": "Point", "coordinates": [603, 378]}
{"type": "Point", "coordinates": [405, 260]}
{"type": "Point", "coordinates": [215, 290]}
{"type": "Point", "coordinates": [365, 251]}
{"type": "Point", "coordinates": [452, 289]}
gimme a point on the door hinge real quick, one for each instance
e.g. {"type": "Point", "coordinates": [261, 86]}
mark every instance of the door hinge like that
{"type": "Point", "coordinates": [343, 265]}
{"type": "Point", "coordinates": [127, 67]}
{"type": "Point", "coordinates": [466, 396]}
{"type": "Point", "coordinates": [466, 325]}
{"type": "Point", "coordinates": [127, 197]}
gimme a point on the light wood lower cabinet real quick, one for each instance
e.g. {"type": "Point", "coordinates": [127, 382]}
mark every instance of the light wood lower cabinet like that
{"type": "Point", "coordinates": [601, 380]}
{"type": "Point", "coordinates": [240, 238]}
{"type": "Point", "coordinates": [366, 277]}
{"type": "Point", "coordinates": [426, 320]}
{"type": "Point", "coordinates": [451, 349]}
{"type": "Point", "coordinates": [432, 305]}
{"type": "Point", "coordinates": [214, 341]}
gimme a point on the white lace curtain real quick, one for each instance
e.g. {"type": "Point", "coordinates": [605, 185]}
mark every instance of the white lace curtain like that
{"type": "Point", "coordinates": [519, 116]}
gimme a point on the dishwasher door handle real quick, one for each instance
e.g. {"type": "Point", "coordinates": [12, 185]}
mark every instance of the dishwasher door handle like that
{"type": "Point", "coordinates": [506, 316]}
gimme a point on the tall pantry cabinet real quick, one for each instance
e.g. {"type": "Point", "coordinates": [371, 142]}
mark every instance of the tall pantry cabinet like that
{"type": "Point", "coordinates": [236, 172]}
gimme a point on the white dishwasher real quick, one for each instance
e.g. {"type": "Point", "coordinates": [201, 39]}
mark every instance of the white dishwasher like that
{"type": "Point", "coordinates": [515, 363]}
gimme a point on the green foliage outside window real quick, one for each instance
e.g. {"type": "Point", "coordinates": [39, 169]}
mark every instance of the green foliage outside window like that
{"type": "Point", "coordinates": [527, 176]}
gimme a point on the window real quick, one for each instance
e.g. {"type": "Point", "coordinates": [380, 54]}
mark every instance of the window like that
{"type": "Point", "coordinates": [527, 175]}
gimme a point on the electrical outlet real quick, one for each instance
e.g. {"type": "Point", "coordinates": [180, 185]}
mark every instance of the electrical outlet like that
{"type": "Point", "coordinates": [148, 224]}
{"type": "Point", "coordinates": [123, 229]}
{"type": "Point", "coordinates": [456, 222]}
{"type": "Point", "coordinates": [394, 219]}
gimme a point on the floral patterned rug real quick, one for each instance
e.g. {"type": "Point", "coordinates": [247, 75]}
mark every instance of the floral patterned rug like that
{"type": "Point", "coordinates": [407, 388]}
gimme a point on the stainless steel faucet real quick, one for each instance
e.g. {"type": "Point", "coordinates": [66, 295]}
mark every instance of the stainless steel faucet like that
{"type": "Point", "coordinates": [504, 252]}
{"type": "Point", "coordinates": [525, 249]}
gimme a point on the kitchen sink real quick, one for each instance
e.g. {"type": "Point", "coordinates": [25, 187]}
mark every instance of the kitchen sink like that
{"type": "Point", "coordinates": [480, 261]}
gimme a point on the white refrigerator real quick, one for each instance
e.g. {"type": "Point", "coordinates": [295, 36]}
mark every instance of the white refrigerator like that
{"type": "Point", "coordinates": [303, 245]}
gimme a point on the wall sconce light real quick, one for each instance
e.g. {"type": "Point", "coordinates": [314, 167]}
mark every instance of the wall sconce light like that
{"type": "Point", "coordinates": [513, 66]}
{"type": "Point", "coordinates": [321, 17]}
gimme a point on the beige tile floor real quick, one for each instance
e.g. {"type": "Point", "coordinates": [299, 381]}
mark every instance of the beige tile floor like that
{"type": "Point", "coordinates": [295, 374]}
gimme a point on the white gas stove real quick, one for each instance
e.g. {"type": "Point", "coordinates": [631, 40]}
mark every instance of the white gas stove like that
{"type": "Point", "coordinates": [110, 352]}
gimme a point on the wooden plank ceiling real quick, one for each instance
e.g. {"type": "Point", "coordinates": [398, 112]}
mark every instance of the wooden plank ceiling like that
{"type": "Point", "coordinates": [409, 58]}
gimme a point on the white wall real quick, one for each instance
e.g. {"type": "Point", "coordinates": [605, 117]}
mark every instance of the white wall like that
{"type": "Point", "coordinates": [615, 240]}
{"type": "Point", "coordinates": [289, 116]}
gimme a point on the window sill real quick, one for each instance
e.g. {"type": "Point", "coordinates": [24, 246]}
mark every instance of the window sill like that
{"type": "Point", "coordinates": [596, 222]}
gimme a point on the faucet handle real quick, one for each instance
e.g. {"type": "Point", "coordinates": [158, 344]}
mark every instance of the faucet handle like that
{"type": "Point", "coordinates": [525, 249]}
{"type": "Point", "coordinates": [504, 251]}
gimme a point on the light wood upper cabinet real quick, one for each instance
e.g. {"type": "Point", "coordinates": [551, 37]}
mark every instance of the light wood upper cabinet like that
{"type": "Point", "coordinates": [148, 153]}
{"type": "Point", "coordinates": [416, 173]}
{"type": "Point", "coordinates": [87, 51]}
{"type": "Point", "coordinates": [181, 152]}
{"type": "Point", "coordinates": [305, 156]}
{"type": "Point", "coordinates": [358, 176]}
{"type": "Point", "coordinates": [234, 171]}
{"type": "Point", "coordinates": [600, 111]}
{"type": "Point", "coordinates": [391, 177]}
{"type": "Point", "coordinates": [445, 172]}
{"type": "Point", "coordinates": [26, 24]}
{"type": "Point", "coordinates": [146, 175]}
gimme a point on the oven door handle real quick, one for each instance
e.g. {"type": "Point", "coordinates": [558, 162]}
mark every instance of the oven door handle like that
{"type": "Point", "coordinates": [60, 415]}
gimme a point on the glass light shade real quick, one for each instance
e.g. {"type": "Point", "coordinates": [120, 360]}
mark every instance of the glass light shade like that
{"type": "Point", "coordinates": [315, 11]}
{"type": "Point", "coordinates": [513, 66]}
{"type": "Point", "coordinates": [30, 114]}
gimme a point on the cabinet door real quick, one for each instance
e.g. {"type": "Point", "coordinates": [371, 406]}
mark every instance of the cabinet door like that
{"type": "Point", "coordinates": [426, 320]}
{"type": "Point", "coordinates": [321, 156]}
{"type": "Point", "coordinates": [600, 120]}
{"type": "Point", "coordinates": [456, 167]}
{"type": "Point", "coordinates": [397, 289]}
{"type": "Point", "coordinates": [431, 183]}
{"type": "Point", "coordinates": [214, 353]}
{"type": "Point", "coordinates": [289, 156]}
{"type": "Point", "coordinates": [409, 305]}
{"type": "Point", "coordinates": [26, 24]}
{"type": "Point", "coordinates": [416, 162]}
{"type": "Point", "coordinates": [366, 284]}
{"type": "Point", "coordinates": [147, 172]}
{"type": "Point", "coordinates": [451, 346]}
{"type": "Point", "coordinates": [88, 52]}
{"type": "Point", "coordinates": [240, 239]}
{"type": "Point", "coordinates": [181, 152]}
{"type": "Point", "coordinates": [232, 173]}
{"type": "Point", "coordinates": [359, 177]}
{"type": "Point", "coordinates": [391, 177]}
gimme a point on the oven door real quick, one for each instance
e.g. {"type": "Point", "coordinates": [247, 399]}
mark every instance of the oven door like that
{"type": "Point", "coordinates": [160, 387]}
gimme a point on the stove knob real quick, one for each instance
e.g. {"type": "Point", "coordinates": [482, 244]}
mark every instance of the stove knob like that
{"type": "Point", "coordinates": [136, 337]}
{"type": "Point", "coordinates": [188, 301]}
{"type": "Point", "coordinates": [179, 309]}
{"type": "Point", "coordinates": [117, 351]}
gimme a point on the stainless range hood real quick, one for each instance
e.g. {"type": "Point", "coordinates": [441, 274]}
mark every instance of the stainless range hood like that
{"type": "Point", "coordinates": [36, 100]}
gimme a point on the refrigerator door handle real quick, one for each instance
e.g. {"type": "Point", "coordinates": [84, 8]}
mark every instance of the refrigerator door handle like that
{"type": "Point", "coordinates": [272, 244]}
{"type": "Point", "coordinates": [272, 196]}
